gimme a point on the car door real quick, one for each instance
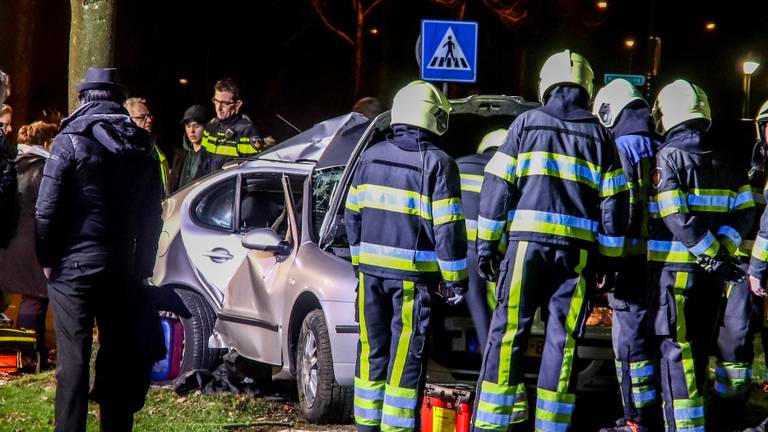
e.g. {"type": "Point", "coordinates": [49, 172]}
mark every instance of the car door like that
{"type": "Point", "coordinates": [250, 317]}
{"type": "Point", "coordinates": [209, 235]}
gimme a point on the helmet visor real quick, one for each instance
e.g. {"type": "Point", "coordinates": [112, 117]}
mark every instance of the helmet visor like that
{"type": "Point", "coordinates": [657, 116]}
{"type": "Point", "coordinates": [441, 118]}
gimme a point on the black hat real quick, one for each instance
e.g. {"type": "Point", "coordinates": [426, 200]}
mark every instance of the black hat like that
{"type": "Point", "coordinates": [101, 79]}
{"type": "Point", "coordinates": [197, 113]}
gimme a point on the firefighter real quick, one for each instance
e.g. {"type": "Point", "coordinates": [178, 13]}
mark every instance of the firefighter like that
{"type": "Point", "coordinates": [406, 233]}
{"type": "Point", "coordinates": [702, 206]}
{"type": "Point", "coordinates": [230, 134]}
{"type": "Point", "coordinates": [620, 107]}
{"type": "Point", "coordinates": [481, 296]}
{"type": "Point", "coordinates": [557, 184]}
{"type": "Point", "coordinates": [743, 315]}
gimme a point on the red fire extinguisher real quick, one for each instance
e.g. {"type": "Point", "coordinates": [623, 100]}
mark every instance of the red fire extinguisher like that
{"type": "Point", "coordinates": [447, 408]}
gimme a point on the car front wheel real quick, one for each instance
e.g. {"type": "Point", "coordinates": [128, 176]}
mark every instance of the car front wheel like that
{"type": "Point", "coordinates": [322, 400]}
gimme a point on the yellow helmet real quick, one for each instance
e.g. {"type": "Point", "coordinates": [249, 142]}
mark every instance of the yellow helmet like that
{"type": "Point", "coordinates": [679, 102]}
{"type": "Point", "coordinates": [565, 67]}
{"type": "Point", "coordinates": [760, 120]}
{"type": "Point", "coordinates": [491, 140]}
{"type": "Point", "coordinates": [422, 105]}
{"type": "Point", "coordinates": [612, 99]}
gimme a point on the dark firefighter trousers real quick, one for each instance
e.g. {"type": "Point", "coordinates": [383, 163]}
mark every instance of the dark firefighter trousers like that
{"type": "Point", "coordinates": [532, 276]}
{"type": "Point", "coordinates": [391, 361]}
{"type": "Point", "coordinates": [480, 298]}
{"type": "Point", "coordinates": [636, 365]}
{"type": "Point", "coordinates": [684, 313]}
{"type": "Point", "coordinates": [130, 341]}
{"type": "Point", "coordinates": [743, 318]}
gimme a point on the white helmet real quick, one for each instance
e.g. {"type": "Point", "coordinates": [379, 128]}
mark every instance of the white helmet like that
{"type": "Point", "coordinates": [422, 105]}
{"type": "Point", "coordinates": [493, 139]}
{"type": "Point", "coordinates": [613, 98]}
{"type": "Point", "coordinates": [565, 67]}
{"type": "Point", "coordinates": [760, 120]}
{"type": "Point", "coordinates": [679, 102]}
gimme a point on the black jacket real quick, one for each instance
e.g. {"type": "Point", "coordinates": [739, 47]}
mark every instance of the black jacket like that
{"type": "Point", "coordinates": [403, 212]}
{"type": "Point", "coordinates": [19, 270]}
{"type": "Point", "coordinates": [187, 165]}
{"type": "Point", "coordinates": [9, 201]}
{"type": "Point", "coordinates": [700, 200]}
{"type": "Point", "coordinates": [557, 179]}
{"type": "Point", "coordinates": [101, 192]}
{"type": "Point", "coordinates": [233, 137]}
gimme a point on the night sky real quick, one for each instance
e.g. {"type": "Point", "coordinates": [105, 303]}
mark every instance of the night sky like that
{"type": "Point", "coordinates": [289, 63]}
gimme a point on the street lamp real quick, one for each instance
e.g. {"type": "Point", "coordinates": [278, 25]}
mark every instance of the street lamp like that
{"type": "Point", "coordinates": [748, 68]}
{"type": "Point", "coordinates": [629, 44]}
{"type": "Point", "coordinates": [710, 26]}
{"type": "Point", "coordinates": [601, 5]}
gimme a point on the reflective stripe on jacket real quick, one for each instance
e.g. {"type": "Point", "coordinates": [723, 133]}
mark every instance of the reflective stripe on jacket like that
{"type": "Point", "coordinates": [230, 138]}
{"type": "Point", "coordinates": [557, 179]}
{"type": "Point", "coordinates": [700, 201]}
{"type": "Point", "coordinates": [472, 169]}
{"type": "Point", "coordinates": [404, 217]}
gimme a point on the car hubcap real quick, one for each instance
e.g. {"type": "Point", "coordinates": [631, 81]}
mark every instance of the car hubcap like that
{"type": "Point", "coordinates": [309, 368]}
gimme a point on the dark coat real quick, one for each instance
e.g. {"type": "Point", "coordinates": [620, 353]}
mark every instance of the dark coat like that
{"type": "Point", "coordinates": [187, 165]}
{"type": "Point", "coordinates": [19, 269]}
{"type": "Point", "coordinates": [101, 193]}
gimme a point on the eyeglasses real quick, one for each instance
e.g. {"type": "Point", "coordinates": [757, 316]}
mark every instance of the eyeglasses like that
{"type": "Point", "coordinates": [225, 103]}
{"type": "Point", "coordinates": [143, 117]}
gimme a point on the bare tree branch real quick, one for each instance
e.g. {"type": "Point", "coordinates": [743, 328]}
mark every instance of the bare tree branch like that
{"type": "Point", "coordinates": [510, 13]}
{"type": "Point", "coordinates": [447, 3]}
{"type": "Point", "coordinates": [318, 9]}
{"type": "Point", "coordinates": [372, 7]}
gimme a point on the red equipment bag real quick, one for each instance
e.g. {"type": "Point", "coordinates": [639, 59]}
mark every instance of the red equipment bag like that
{"type": "Point", "coordinates": [173, 336]}
{"type": "Point", "coordinates": [447, 408]}
{"type": "Point", "coordinates": [12, 344]}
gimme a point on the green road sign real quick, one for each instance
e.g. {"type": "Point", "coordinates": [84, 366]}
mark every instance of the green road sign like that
{"type": "Point", "coordinates": [636, 80]}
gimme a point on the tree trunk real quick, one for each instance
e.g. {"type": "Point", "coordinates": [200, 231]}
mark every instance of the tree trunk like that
{"type": "Point", "coordinates": [359, 50]}
{"type": "Point", "coordinates": [21, 78]}
{"type": "Point", "coordinates": [91, 40]}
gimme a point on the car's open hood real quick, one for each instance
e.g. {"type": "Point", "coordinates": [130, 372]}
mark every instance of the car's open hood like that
{"type": "Point", "coordinates": [322, 138]}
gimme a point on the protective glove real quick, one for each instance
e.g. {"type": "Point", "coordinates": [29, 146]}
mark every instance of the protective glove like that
{"type": "Point", "coordinates": [488, 267]}
{"type": "Point", "coordinates": [452, 293]}
{"type": "Point", "coordinates": [757, 286]}
{"type": "Point", "coordinates": [723, 266]}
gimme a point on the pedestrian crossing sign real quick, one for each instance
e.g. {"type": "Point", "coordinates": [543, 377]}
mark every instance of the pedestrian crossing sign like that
{"type": "Point", "coordinates": [449, 51]}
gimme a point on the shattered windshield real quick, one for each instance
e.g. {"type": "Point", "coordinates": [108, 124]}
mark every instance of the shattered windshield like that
{"type": "Point", "coordinates": [324, 182]}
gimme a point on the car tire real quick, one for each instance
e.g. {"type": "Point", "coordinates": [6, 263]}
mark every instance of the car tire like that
{"type": "Point", "coordinates": [198, 327]}
{"type": "Point", "coordinates": [321, 398]}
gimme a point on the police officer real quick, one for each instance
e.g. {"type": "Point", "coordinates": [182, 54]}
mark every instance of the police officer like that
{"type": "Point", "coordinates": [481, 296]}
{"type": "Point", "coordinates": [621, 108]}
{"type": "Point", "coordinates": [98, 221]}
{"type": "Point", "coordinates": [703, 207]}
{"type": "Point", "coordinates": [557, 183]}
{"type": "Point", "coordinates": [743, 315]}
{"type": "Point", "coordinates": [231, 134]}
{"type": "Point", "coordinates": [406, 233]}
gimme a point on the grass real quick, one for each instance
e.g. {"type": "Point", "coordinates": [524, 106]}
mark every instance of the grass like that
{"type": "Point", "coordinates": [26, 404]}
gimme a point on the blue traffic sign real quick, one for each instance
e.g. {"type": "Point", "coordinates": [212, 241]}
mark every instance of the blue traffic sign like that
{"type": "Point", "coordinates": [449, 51]}
{"type": "Point", "coordinates": [635, 80]}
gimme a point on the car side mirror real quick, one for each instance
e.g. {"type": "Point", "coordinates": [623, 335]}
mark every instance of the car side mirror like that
{"type": "Point", "coordinates": [267, 240]}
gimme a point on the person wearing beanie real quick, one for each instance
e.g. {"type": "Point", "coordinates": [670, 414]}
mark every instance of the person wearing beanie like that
{"type": "Point", "coordinates": [187, 158]}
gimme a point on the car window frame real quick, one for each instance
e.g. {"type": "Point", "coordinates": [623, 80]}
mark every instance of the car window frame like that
{"type": "Point", "coordinates": [235, 210]}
